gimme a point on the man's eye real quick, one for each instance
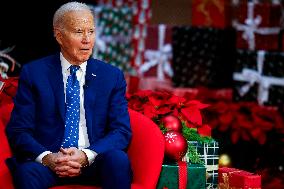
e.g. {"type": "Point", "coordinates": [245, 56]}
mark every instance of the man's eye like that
{"type": "Point", "coordinates": [78, 31]}
{"type": "Point", "coordinates": [91, 31]}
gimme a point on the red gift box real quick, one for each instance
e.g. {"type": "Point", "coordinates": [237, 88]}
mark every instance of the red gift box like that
{"type": "Point", "coordinates": [158, 52]}
{"type": "Point", "coordinates": [232, 178]}
{"type": "Point", "coordinates": [156, 69]}
{"type": "Point", "coordinates": [211, 13]}
{"type": "Point", "coordinates": [258, 25]}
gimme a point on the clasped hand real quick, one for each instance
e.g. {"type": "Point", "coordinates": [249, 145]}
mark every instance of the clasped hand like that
{"type": "Point", "coordinates": [67, 162]}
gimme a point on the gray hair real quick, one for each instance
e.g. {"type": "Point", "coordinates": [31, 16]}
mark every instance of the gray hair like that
{"type": "Point", "coordinates": [68, 7]}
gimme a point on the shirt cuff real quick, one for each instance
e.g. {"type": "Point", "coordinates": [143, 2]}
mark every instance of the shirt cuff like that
{"type": "Point", "coordinates": [39, 158]}
{"type": "Point", "coordinates": [91, 155]}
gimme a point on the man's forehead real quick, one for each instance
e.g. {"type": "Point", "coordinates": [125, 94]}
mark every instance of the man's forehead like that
{"type": "Point", "coordinates": [79, 18]}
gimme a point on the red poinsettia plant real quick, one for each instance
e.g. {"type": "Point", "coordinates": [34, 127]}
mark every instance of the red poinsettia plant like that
{"type": "Point", "coordinates": [158, 104]}
{"type": "Point", "coordinates": [245, 120]}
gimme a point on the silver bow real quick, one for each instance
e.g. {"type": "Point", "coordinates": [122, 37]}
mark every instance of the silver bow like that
{"type": "Point", "coordinates": [4, 67]}
{"type": "Point", "coordinates": [255, 76]}
{"type": "Point", "coordinates": [250, 27]}
{"type": "Point", "coordinates": [160, 57]}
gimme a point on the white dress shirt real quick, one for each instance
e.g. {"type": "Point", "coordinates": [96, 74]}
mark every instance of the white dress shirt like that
{"type": "Point", "coordinates": [83, 134]}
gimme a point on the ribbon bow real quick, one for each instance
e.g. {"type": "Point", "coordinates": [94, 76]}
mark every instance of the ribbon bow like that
{"type": "Point", "coordinates": [250, 27]}
{"type": "Point", "coordinates": [160, 57]}
{"type": "Point", "coordinates": [255, 76]}
{"type": "Point", "coordinates": [4, 67]}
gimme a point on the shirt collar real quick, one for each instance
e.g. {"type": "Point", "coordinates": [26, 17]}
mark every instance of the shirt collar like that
{"type": "Point", "coordinates": [65, 64]}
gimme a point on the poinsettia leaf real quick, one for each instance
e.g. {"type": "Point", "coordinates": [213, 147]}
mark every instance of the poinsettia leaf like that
{"type": "Point", "coordinates": [144, 93]}
{"type": "Point", "coordinates": [163, 110]}
{"type": "Point", "coordinates": [176, 99]}
{"type": "Point", "coordinates": [204, 130]}
{"type": "Point", "coordinates": [235, 136]}
{"type": "Point", "coordinates": [197, 103]}
{"type": "Point", "coordinates": [262, 138]}
{"type": "Point", "coordinates": [192, 114]}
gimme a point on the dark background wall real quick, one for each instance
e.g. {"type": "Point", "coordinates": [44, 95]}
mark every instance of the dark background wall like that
{"type": "Point", "coordinates": [27, 25]}
{"type": "Point", "coordinates": [172, 12]}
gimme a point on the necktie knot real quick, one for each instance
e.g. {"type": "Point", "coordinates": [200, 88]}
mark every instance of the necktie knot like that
{"type": "Point", "coordinates": [73, 69]}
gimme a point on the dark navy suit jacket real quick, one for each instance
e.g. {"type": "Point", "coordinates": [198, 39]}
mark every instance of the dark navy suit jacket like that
{"type": "Point", "coordinates": [37, 120]}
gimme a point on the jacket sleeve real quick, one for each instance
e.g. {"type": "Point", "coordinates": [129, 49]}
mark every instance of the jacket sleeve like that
{"type": "Point", "coordinates": [118, 125]}
{"type": "Point", "coordinates": [21, 127]}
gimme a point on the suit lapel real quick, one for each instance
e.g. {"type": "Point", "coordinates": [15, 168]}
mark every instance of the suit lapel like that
{"type": "Point", "coordinates": [56, 80]}
{"type": "Point", "coordinates": [91, 83]}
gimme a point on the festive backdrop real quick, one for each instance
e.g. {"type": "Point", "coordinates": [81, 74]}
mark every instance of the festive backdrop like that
{"type": "Point", "coordinates": [209, 73]}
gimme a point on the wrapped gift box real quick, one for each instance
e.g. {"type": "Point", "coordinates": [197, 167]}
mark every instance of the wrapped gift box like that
{"type": "Point", "coordinates": [208, 154]}
{"type": "Point", "coordinates": [258, 25]}
{"type": "Point", "coordinates": [113, 36]}
{"type": "Point", "coordinates": [236, 178]}
{"type": "Point", "coordinates": [211, 13]}
{"type": "Point", "coordinates": [259, 76]}
{"type": "Point", "coordinates": [156, 69]}
{"type": "Point", "coordinates": [169, 177]}
{"type": "Point", "coordinates": [158, 51]}
{"type": "Point", "coordinates": [142, 14]}
{"type": "Point", "coordinates": [200, 56]}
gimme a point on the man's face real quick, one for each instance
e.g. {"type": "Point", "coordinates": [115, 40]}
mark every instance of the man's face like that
{"type": "Point", "coordinates": [77, 37]}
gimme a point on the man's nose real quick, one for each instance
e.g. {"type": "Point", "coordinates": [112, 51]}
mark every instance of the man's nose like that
{"type": "Point", "coordinates": [87, 36]}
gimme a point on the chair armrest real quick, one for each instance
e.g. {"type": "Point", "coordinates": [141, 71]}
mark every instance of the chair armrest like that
{"type": "Point", "coordinates": [146, 150]}
{"type": "Point", "coordinates": [5, 152]}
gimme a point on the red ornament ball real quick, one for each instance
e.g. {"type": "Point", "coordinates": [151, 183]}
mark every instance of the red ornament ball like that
{"type": "Point", "coordinates": [175, 145]}
{"type": "Point", "coordinates": [172, 123]}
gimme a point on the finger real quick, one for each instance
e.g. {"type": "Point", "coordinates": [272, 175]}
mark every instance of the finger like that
{"type": "Point", "coordinates": [62, 168]}
{"type": "Point", "coordinates": [62, 159]}
{"type": "Point", "coordinates": [74, 164]}
{"type": "Point", "coordinates": [69, 173]}
{"type": "Point", "coordinates": [71, 150]}
{"type": "Point", "coordinates": [74, 171]}
{"type": "Point", "coordinates": [64, 151]}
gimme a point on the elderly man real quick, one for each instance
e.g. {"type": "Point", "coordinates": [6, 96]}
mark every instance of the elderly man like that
{"type": "Point", "coordinates": [70, 122]}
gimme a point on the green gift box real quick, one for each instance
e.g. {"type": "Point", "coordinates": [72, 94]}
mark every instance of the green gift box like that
{"type": "Point", "coordinates": [169, 177]}
{"type": "Point", "coordinates": [114, 29]}
{"type": "Point", "coordinates": [208, 155]}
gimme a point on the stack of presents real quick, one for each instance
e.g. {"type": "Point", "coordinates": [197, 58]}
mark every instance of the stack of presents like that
{"type": "Point", "coordinates": [231, 55]}
{"type": "Point", "coordinates": [229, 59]}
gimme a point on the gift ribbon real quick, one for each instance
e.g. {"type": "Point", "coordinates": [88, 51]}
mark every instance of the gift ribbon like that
{"type": "Point", "coordinates": [182, 175]}
{"type": "Point", "coordinates": [4, 54]}
{"type": "Point", "coordinates": [160, 57]}
{"type": "Point", "coordinates": [250, 27]}
{"type": "Point", "coordinates": [3, 70]}
{"type": "Point", "coordinates": [1, 86]}
{"type": "Point", "coordinates": [4, 67]}
{"type": "Point", "coordinates": [255, 76]}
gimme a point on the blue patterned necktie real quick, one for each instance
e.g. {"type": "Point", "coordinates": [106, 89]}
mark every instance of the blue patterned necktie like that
{"type": "Point", "coordinates": [72, 117]}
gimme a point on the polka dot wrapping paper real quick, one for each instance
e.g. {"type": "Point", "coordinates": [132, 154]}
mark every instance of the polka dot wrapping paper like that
{"type": "Point", "coordinates": [259, 77]}
{"type": "Point", "coordinates": [203, 57]}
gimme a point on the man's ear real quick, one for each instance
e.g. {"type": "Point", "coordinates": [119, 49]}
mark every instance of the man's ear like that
{"type": "Point", "coordinates": [57, 35]}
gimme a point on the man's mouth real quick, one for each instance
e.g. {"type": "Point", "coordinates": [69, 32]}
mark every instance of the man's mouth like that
{"type": "Point", "coordinates": [85, 49]}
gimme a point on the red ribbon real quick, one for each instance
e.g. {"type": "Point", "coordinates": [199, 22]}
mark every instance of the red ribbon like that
{"type": "Point", "coordinates": [182, 174]}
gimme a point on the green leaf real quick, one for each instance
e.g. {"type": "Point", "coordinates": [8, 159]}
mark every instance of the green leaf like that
{"type": "Point", "coordinates": [191, 134]}
{"type": "Point", "coordinates": [193, 155]}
